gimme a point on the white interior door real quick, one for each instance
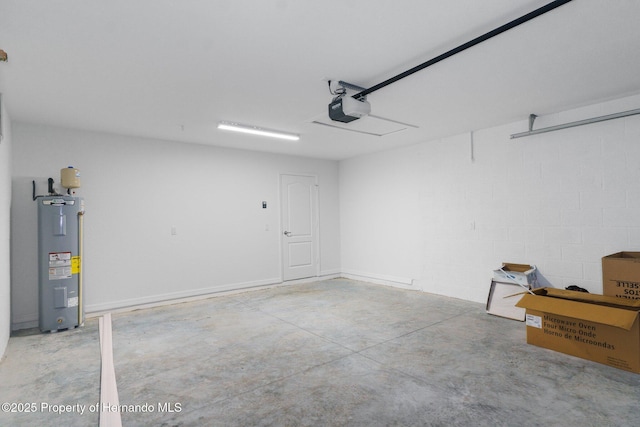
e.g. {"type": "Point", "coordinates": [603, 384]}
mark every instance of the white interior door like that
{"type": "Point", "coordinates": [299, 226]}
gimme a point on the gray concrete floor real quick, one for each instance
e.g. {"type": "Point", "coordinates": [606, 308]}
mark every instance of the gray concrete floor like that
{"type": "Point", "coordinates": [331, 353]}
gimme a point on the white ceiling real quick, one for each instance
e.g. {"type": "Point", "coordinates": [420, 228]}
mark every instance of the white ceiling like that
{"type": "Point", "coordinates": [173, 69]}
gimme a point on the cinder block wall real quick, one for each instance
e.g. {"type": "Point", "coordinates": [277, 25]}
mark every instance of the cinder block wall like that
{"type": "Point", "coordinates": [443, 214]}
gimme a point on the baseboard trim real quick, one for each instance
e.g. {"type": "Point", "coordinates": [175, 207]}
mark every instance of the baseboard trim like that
{"type": "Point", "coordinates": [27, 324]}
{"type": "Point", "coordinates": [96, 310]}
{"type": "Point", "coordinates": [379, 279]}
{"type": "Point", "coordinates": [170, 298]}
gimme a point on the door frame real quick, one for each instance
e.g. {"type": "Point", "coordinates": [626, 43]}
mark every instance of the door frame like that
{"type": "Point", "coordinates": [316, 222]}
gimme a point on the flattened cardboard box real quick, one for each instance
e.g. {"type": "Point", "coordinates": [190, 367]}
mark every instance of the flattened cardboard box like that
{"type": "Point", "coordinates": [502, 300]}
{"type": "Point", "coordinates": [621, 275]}
{"type": "Point", "coordinates": [600, 328]}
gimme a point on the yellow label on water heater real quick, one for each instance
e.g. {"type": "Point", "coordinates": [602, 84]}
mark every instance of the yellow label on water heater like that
{"type": "Point", "coordinates": [75, 265]}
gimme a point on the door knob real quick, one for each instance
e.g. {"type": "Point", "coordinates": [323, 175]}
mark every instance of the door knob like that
{"type": "Point", "coordinates": [287, 233]}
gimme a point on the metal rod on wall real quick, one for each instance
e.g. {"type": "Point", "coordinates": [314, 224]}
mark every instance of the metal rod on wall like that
{"type": "Point", "coordinates": [577, 123]}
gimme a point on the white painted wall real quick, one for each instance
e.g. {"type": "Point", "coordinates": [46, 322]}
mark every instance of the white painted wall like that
{"type": "Point", "coordinates": [437, 216]}
{"type": "Point", "coordinates": [442, 217]}
{"type": "Point", "coordinates": [5, 209]}
{"type": "Point", "coordinates": [136, 190]}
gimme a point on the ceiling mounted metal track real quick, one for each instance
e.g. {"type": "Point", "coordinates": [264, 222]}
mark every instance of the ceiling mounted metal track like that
{"type": "Point", "coordinates": [529, 16]}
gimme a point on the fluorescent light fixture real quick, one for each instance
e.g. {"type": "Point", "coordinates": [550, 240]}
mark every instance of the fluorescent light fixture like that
{"type": "Point", "coordinates": [235, 127]}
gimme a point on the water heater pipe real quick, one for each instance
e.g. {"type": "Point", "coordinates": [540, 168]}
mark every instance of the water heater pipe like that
{"type": "Point", "coordinates": [80, 266]}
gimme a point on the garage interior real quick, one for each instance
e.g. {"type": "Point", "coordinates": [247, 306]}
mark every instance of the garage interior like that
{"type": "Point", "coordinates": [378, 316]}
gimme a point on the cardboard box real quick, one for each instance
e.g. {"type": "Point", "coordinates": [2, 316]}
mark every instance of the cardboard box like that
{"type": "Point", "coordinates": [600, 328]}
{"type": "Point", "coordinates": [521, 274]}
{"type": "Point", "coordinates": [621, 275]}
{"type": "Point", "coordinates": [502, 300]}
